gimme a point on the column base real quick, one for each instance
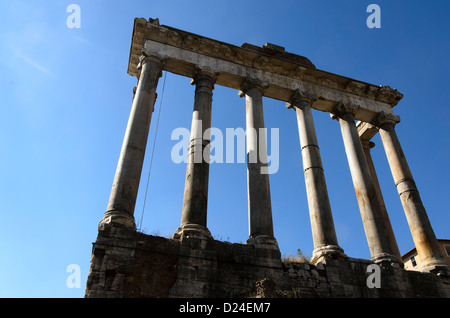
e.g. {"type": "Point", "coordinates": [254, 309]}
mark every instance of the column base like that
{"type": "Point", "coordinates": [384, 259]}
{"type": "Point", "coordinates": [192, 231]}
{"type": "Point", "coordinates": [263, 241]}
{"type": "Point", "coordinates": [327, 251]}
{"type": "Point", "coordinates": [117, 218]}
{"type": "Point", "coordinates": [435, 266]}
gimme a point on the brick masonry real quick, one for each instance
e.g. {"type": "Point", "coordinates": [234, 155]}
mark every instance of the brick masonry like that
{"type": "Point", "coordinates": [134, 265]}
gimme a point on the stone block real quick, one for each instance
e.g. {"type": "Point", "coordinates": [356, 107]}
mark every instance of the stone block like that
{"type": "Point", "coordinates": [160, 267]}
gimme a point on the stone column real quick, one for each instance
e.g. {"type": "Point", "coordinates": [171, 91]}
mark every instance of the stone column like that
{"type": "Point", "coordinates": [259, 202]}
{"type": "Point", "coordinates": [367, 145]}
{"type": "Point", "coordinates": [322, 225]}
{"type": "Point", "coordinates": [423, 235]}
{"type": "Point", "coordinates": [195, 201]}
{"type": "Point", "coordinates": [120, 210]}
{"type": "Point", "coordinates": [369, 206]}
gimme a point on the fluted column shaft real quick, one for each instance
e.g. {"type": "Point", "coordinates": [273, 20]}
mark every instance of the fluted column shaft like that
{"type": "Point", "coordinates": [124, 191]}
{"type": "Point", "coordinates": [376, 233]}
{"type": "Point", "coordinates": [259, 202]}
{"type": "Point", "coordinates": [322, 225]}
{"type": "Point", "coordinates": [195, 200]}
{"type": "Point", "coordinates": [422, 232]}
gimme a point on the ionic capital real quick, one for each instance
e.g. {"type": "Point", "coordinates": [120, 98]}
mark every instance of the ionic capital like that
{"type": "Point", "coordinates": [299, 97]}
{"type": "Point", "coordinates": [385, 119]}
{"type": "Point", "coordinates": [342, 109]}
{"type": "Point", "coordinates": [150, 57]}
{"type": "Point", "coordinates": [148, 76]}
{"type": "Point", "coordinates": [250, 83]}
{"type": "Point", "coordinates": [204, 73]}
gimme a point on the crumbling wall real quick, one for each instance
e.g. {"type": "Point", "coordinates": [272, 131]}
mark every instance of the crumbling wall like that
{"type": "Point", "coordinates": [129, 264]}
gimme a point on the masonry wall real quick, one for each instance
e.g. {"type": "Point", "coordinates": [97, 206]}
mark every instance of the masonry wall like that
{"type": "Point", "coordinates": [129, 264]}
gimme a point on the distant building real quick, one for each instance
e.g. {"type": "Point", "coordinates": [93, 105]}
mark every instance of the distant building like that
{"type": "Point", "coordinates": [412, 261]}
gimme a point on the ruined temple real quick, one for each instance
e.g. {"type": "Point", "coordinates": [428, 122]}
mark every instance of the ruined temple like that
{"type": "Point", "coordinates": [126, 263]}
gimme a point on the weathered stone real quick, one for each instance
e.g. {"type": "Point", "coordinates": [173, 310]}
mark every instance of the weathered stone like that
{"type": "Point", "coordinates": [381, 248]}
{"type": "Point", "coordinates": [195, 201]}
{"type": "Point", "coordinates": [421, 230]}
{"type": "Point", "coordinates": [124, 191]}
{"type": "Point", "coordinates": [125, 263]}
{"type": "Point", "coordinates": [259, 202]}
{"type": "Point", "coordinates": [324, 234]}
{"type": "Point", "coordinates": [284, 72]}
{"type": "Point", "coordinates": [367, 145]}
{"type": "Point", "coordinates": [160, 267]}
{"type": "Point", "coordinates": [266, 289]}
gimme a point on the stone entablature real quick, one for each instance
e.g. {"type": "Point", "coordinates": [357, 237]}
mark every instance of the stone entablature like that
{"type": "Point", "coordinates": [283, 72]}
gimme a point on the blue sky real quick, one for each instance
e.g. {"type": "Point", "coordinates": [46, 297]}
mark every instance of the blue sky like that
{"type": "Point", "coordinates": [65, 98]}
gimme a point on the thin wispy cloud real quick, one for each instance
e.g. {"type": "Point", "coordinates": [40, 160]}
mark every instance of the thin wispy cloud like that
{"type": "Point", "coordinates": [35, 64]}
